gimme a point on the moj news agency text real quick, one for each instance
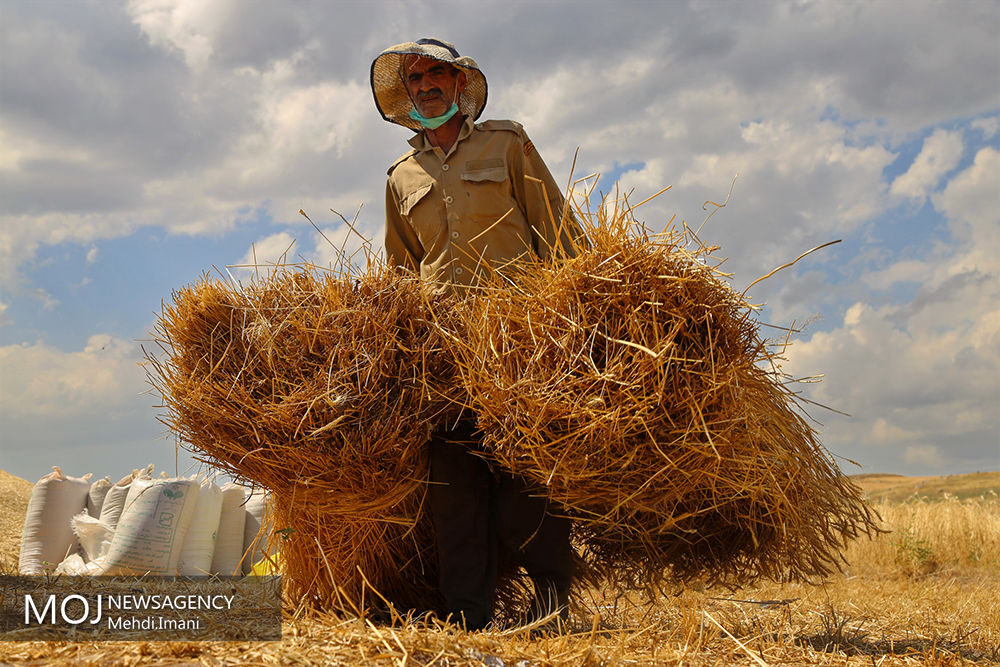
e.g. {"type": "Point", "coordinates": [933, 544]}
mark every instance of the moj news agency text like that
{"type": "Point", "coordinates": [75, 609]}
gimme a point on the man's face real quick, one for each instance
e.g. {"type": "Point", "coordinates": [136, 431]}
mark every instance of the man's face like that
{"type": "Point", "coordinates": [433, 85]}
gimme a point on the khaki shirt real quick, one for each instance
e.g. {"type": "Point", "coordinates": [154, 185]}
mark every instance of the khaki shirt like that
{"type": "Point", "coordinates": [448, 214]}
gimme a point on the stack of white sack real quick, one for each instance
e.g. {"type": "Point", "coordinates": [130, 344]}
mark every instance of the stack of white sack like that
{"type": "Point", "coordinates": [143, 526]}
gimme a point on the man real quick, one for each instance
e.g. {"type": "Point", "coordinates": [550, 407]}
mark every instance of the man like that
{"type": "Point", "coordinates": [471, 195]}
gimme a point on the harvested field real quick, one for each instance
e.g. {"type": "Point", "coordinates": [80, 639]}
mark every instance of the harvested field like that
{"type": "Point", "coordinates": [879, 487]}
{"type": "Point", "coordinates": [879, 612]}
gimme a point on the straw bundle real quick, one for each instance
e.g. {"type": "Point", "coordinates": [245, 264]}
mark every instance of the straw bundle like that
{"type": "Point", "coordinates": [630, 380]}
{"type": "Point", "coordinates": [633, 382]}
{"type": "Point", "coordinates": [323, 390]}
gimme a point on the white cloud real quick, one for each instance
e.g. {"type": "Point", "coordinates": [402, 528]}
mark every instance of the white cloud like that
{"type": "Point", "coordinates": [924, 455]}
{"type": "Point", "coordinates": [940, 154]}
{"type": "Point", "coordinates": [18, 149]}
{"type": "Point", "coordinates": [325, 248]}
{"type": "Point", "coordinates": [48, 302]}
{"type": "Point", "coordinates": [971, 200]}
{"type": "Point", "coordinates": [3, 318]}
{"type": "Point", "coordinates": [189, 26]}
{"type": "Point", "coordinates": [988, 126]}
{"type": "Point", "coordinates": [41, 381]}
{"type": "Point", "coordinates": [884, 432]}
{"type": "Point", "coordinates": [295, 126]}
{"type": "Point", "coordinates": [339, 244]}
{"type": "Point", "coordinates": [271, 113]}
{"type": "Point", "coordinates": [87, 410]}
{"type": "Point", "coordinates": [317, 119]}
{"type": "Point", "coordinates": [906, 379]}
{"type": "Point", "coordinates": [275, 249]}
{"type": "Point", "coordinates": [921, 373]}
{"type": "Point", "coordinates": [924, 371]}
{"type": "Point", "coordinates": [92, 254]}
{"type": "Point", "coordinates": [153, 144]}
{"type": "Point", "coordinates": [906, 271]}
{"type": "Point", "coordinates": [801, 183]}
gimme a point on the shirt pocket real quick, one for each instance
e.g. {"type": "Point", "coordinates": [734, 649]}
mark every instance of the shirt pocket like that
{"type": "Point", "coordinates": [411, 198]}
{"type": "Point", "coordinates": [477, 171]}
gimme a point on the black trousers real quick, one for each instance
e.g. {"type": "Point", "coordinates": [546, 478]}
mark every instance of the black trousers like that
{"type": "Point", "coordinates": [477, 512]}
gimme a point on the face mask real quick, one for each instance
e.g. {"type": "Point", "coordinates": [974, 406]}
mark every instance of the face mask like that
{"type": "Point", "coordinates": [437, 121]}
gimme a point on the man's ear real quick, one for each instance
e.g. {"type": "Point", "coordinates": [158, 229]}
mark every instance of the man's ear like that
{"type": "Point", "coordinates": [461, 81]}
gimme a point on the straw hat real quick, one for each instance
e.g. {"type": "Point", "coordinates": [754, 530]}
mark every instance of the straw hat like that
{"type": "Point", "coordinates": [394, 102]}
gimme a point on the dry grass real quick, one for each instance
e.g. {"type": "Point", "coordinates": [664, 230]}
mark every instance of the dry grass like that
{"type": "Point", "coordinates": [896, 488]}
{"type": "Point", "coordinates": [882, 612]}
{"type": "Point", "coordinates": [14, 495]}
{"type": "Point", "coordinates": [948, 535]}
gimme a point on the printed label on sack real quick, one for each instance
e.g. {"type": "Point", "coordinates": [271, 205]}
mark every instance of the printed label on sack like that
{"type": "Point", "coordinates": [147, 539]}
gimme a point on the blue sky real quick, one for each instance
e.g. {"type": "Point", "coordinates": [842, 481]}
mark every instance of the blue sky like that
{"type": "Point", "coordinates": [145, 142]}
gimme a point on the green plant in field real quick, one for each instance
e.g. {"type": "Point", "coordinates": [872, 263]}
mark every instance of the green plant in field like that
{"type": "Point", "coordinates": [975, 551]}
{"type": "Point", "coordinates": [912, 551]}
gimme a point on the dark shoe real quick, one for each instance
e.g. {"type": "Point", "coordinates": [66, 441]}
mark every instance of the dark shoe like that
{"type": "Point", "coordinates": [469, 624]}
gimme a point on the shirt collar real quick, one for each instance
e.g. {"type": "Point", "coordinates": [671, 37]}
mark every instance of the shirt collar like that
{"type": "Point", "coordinates": [420, 142]}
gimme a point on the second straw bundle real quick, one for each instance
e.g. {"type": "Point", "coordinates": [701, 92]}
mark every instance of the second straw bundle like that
{"type": "Point", "coordinates": [632, 381]}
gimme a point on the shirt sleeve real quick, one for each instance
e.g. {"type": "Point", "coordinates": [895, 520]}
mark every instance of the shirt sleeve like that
{"type": "Point", "coordinates": [554, 227]}
{"type": "Point", "coordinates": [402, 247]}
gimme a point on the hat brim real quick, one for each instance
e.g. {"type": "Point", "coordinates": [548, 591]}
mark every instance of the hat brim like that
{"type": "Point", "coordinates": [393, 101]}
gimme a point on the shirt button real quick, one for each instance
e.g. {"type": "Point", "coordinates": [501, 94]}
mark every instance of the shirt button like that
{"type": "Point", "coordinates": [448, 199]}
{"type": "Point", "coordinates": [459, 271]}
{"type": "Point", "coordinates": [454, 235]}
{"type": "Point", "coordinates": [445, 167]}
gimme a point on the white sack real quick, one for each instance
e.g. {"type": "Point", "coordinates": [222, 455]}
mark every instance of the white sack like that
{"type": "Point", "coordinates": [114, 501]}
{"type": "Point", "coordinates": [95, 537]}
{"type": "Point", "coordinates": [229, 538]}
{"type": "Point", "coordinates": [152, 527]}
{"type": "Point", "coordinates": [75, 567]}
{"type": "Point", "coordinates": [48, 537]}
{"type": "Point", "coordinates": [256, 533]}
{"type": "Point", "coordinates": [95, 498]}
{"type": "Point", "coordinates": [200, 541]}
